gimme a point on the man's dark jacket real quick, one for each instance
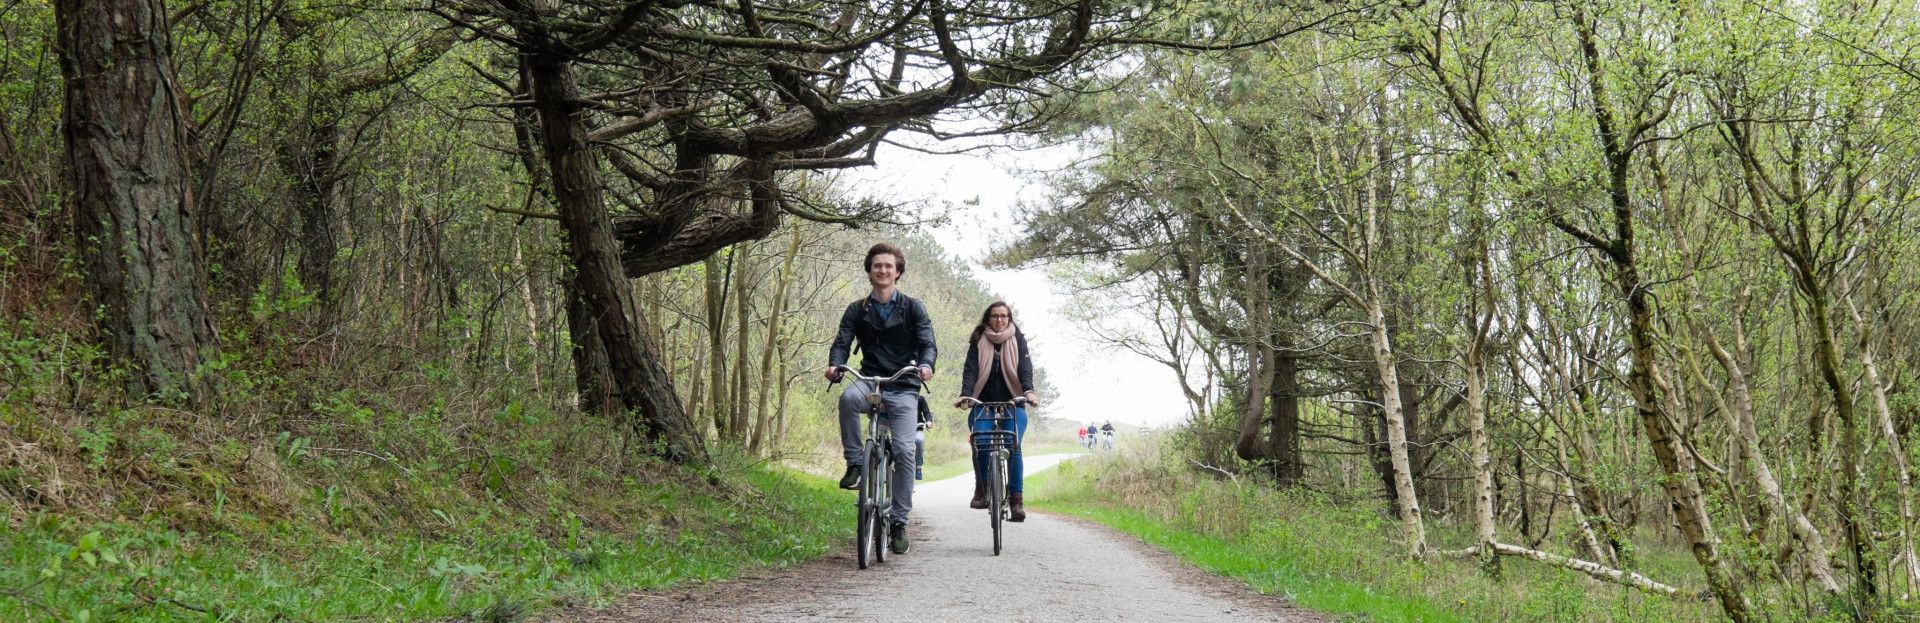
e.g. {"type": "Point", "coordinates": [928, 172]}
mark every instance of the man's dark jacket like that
{"type": "Point", "coordinates": [889, 344]}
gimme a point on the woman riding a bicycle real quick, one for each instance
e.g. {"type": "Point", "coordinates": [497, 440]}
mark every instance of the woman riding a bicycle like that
{"type": "Point", "coordinates": [998, 368]}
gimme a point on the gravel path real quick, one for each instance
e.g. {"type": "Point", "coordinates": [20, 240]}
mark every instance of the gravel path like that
{"type": "Point", "coordinates": [1052, 569]}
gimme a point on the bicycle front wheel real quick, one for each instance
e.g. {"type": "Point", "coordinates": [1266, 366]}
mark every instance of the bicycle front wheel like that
{"type": "Point", "coordinates": [997, 509]}
{"type": "Point", "coordinates": [863, 532]}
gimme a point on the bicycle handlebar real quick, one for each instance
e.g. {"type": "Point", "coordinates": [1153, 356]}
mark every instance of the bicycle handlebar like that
{"type": "Point", "coordinates": [1018, 401]}
{"type": "Point", "coordinates": [845, 369]}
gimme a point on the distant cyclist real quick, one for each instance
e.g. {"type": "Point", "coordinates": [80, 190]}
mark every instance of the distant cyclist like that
{"type": "Point", "coordinates": [1106, 434]}
{"type": "Point", "coordinates": [894, 331]}
{"type": "Point", "coordinates": [998, 368]}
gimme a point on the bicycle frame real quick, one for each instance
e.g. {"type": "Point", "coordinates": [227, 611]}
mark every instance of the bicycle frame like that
{"type": "Point", "coordinates": [875, 496]}
{"type": "Point", "coordinates": [999, 440]}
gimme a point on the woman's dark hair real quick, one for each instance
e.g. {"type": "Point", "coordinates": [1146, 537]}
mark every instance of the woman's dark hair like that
{"type": "Point", "coordinates": [981, 329]}
{"type": "Point", "coordinates": [899, 259]}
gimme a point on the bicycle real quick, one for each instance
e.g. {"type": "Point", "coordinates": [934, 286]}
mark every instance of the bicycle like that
{"type": "Point", "coordinates": [999, 443]}
{"type": "Point", "coordinates": [875, 496]}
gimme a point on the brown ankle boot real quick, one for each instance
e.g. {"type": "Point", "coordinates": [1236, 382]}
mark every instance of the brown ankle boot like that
{"type": "Point", "coordinates": [979, 495]}
{"type": "Point", "coordinates": [1019, 510]}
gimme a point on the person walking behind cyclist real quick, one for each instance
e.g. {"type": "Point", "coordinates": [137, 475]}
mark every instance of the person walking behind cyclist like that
{"type": "Point", "coordinates": [1106, 434]}
{"type": "Point", "coordinates": [894, 331]}
{"type": "Point", "coordinates": [998, 368]}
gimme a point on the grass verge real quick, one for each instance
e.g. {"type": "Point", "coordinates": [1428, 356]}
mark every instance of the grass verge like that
{"type": "Point", "coordinates": [483, 562]}
{"type": "Point", "coordinates": [385, 488]}
{"type": "Point", "coordinates": [1344, 560]}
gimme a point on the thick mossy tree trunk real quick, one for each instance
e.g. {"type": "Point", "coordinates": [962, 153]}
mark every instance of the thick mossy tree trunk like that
{"type": "Point", "coordinates": [644, 386]}
{"type": "Point", "coordinates": [592, 375]}
{"type": "Point", "coordinates": [1283, 437]}
{"type": "Point", "coordinates": [132, 203]}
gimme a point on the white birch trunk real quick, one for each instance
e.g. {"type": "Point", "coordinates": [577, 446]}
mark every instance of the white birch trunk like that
{"type": "Point", "coordinates": [1598, 571]}
{"type": "Point", "coordinates": [1739, 408]}
{"type": "Point", "coordinates": [1411, 525]}
{"type": "Point", "coordinates": [1898, 450]}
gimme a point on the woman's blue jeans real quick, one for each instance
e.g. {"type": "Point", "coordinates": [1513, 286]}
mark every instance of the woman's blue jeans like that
{"type": "Point", "coordinates": [1015, 473]}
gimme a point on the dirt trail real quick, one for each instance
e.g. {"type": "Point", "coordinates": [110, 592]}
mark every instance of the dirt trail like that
{"type": "Point", "coordinates": [1052, 569]}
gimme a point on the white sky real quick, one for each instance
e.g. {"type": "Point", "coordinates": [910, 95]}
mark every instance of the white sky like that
{"type": "Point", "coordinates": [1096, 382]}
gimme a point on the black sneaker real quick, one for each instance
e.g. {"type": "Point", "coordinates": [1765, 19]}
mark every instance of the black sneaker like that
{"type": "Point", "coordinates": [897, 538]}
{"type": "Point", "coordinates": [851, 480]}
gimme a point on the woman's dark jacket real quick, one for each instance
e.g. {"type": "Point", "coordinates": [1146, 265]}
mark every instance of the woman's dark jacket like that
{"type": "Point", "coordinates": [996, 389]}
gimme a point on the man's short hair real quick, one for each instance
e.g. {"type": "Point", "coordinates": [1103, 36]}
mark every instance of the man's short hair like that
{"type": "Point", "coordinates": [899, 259]}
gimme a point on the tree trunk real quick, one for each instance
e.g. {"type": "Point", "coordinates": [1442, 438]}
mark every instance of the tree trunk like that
{"type": "Point", "coordinates": [1412, 527]}
{"type": "Point", "coordinates": [132, 205]}
{"type": "Point", "coordinates": [1260, 355]}
{"type": "Point", "coordinates": [531, 303]}
{"type": "Point", "coordinates": [1387, 365]}
{"type": "Point", "coordinates": [1521, 488]}
{"type": "Point", "coordinates": [1283, 401]}
{"type": "Point", "coordinates": [645, 387]}
{"type": "Point", "coordinates": [697, 394]}
{"type": "Point", "coordinates": [314, 162]}
{"type": "Point", "coordinates": [1598, 571]}
{"type": "Point", "coordinates": [593, 382]}
{"type": "Point", "coordinates": [1481, 312]}
{"type": "Point", "coordinates": [1676, 466]}
{"type": "Point", "coordinates": [1478, 447]}
{"type": "Point", "coordinates": [1826, 354]}
{"type": "Point", "coordinates": [1683, 490]}
{"type": "Point", "coordinates": [772, 347]}
{"type": "Point", "coordinates": [1903, 476]}
{"type": "Point", "coordinates": [779, 433]}
{"type": "Point", "coordinates": [742, 376]}
{"type": "Point", "coordinates": [1284, 434]}
{"type": "Point", "coordinates": [717, 391]}
{"type": "Point", "coordinates": [1254, 412]}
{"type": "Point", "coordinates": [1738, 406]}
{"type": "Point", "coordinates": [1583, 515]}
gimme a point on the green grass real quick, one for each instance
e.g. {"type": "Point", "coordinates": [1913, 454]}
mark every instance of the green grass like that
{"type": "Point", "coordinates": [1262, 566]}
{"type": "Point", "coordinates": [961, 465]}
{"type": "Point", "coordinates": [1346, 560]}
{"type": "Point", "coordinates": [947, 469]}
{"type": "Point", "coordinates": [489, 562]}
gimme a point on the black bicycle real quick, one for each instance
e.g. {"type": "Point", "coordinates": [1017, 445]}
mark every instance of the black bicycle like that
{"type": "Point", "coordinates": [998, 441]}
{"type": "Point", "coordinates": [876, 491]}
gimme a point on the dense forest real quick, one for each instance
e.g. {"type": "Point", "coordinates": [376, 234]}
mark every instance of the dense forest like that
{"type": "Point", "coordinates": [1590, 280]}
{"type": "Point", "coordinates": [1644, 268]}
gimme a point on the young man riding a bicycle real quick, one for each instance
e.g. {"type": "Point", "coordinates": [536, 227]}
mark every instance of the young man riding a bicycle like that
{"type": "Point", "coordinates": [894, 332]}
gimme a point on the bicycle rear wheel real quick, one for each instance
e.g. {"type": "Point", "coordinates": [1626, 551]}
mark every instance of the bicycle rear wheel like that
{"type": "Point", "coordinates": [997, 490]}
{"type": "Point", "coordinates": [882, 498]}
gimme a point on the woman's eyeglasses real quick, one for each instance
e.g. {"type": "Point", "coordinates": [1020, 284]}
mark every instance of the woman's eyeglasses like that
{"type": "Point", "coordinates": [998, 316]}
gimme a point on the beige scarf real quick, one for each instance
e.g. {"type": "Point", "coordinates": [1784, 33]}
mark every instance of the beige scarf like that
{"type": "Point", "coordinates": [1009, 359]}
